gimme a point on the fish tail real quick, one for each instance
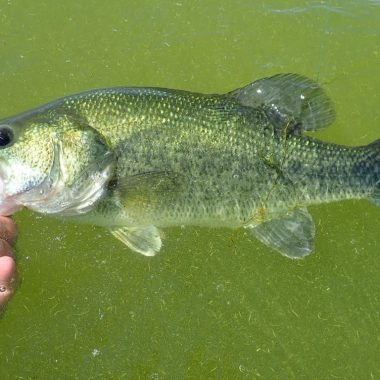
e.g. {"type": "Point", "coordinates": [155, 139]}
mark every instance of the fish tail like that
{"type": "Point", "coordinates": [374, 157]}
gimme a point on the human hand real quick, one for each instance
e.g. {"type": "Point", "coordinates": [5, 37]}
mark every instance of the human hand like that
{"type": "Point", "coordinates": [7, 262]}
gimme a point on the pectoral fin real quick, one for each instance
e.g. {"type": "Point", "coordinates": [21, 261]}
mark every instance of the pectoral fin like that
{"type": "Point", "coordinates": [292, 235]}
{"type": "Point", "coordinates": [145, 240]}
{"type": "Point", "coordinates": [146, 192]}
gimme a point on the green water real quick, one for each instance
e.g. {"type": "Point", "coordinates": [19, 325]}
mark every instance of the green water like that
{"type": "Point", "coordinates": [215, 304]}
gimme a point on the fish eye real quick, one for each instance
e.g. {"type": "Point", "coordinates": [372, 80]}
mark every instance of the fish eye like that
{"type": "Point", "coordinates": [6, 136]}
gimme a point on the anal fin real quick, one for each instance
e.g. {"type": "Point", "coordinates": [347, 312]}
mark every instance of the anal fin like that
{"type": "Point", "coordinates": [145, 240]}
{"type": "Point", "coordinates": [292, 235]}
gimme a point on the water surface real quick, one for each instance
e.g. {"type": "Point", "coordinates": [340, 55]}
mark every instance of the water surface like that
{"type": "Point", "coordinates": [214, 303]}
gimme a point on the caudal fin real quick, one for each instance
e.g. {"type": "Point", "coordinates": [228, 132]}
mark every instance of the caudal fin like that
{"type": "Point", "coordinates": [375, 155]}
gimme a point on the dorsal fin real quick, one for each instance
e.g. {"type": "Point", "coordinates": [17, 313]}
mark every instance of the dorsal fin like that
{"type": "Point", "coordinates": [289, 98]}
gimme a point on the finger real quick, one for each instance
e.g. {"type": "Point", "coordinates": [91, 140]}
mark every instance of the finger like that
{"type": "Point", "coordinates": [8, 229]}
{"type": "Point", "coordinates": [5, 248]}
{"type": "Point", "coordinates": [7, 270]}
{"type": "Point", "coordinates": [7, 279]}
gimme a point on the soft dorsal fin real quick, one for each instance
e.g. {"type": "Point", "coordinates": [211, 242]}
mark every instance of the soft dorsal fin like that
{"type": "Point", "coordinates": [289, 97]}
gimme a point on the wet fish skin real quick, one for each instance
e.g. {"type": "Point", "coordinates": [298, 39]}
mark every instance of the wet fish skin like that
{"type": "Point", "coordinates": [138, 159]}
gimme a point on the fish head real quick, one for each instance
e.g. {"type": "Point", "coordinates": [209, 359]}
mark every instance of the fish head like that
{"type": "Point", "coordinates": [52, 165]}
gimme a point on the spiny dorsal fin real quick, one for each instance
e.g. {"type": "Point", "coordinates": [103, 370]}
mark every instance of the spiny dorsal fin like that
{"type": "Point", "coordinates": [287, 98]}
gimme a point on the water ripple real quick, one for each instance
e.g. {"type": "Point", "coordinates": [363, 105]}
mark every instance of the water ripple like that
{"type": "Point", "coordinates": [312, 8]}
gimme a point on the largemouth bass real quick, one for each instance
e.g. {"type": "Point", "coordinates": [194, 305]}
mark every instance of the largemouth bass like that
{"type": "Point", "coordinates": [136, 160]}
